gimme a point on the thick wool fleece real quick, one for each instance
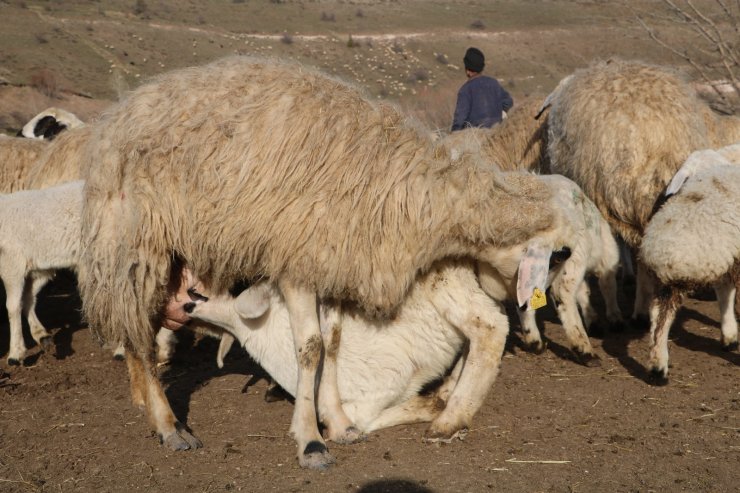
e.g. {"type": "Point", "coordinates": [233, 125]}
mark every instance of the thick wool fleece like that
{"type": "Point", "coordinates": [621, 130]}
{"type": "Point", "coordinates": [249, 167]}
{"type": "Point", "coordinates": [695, 237]}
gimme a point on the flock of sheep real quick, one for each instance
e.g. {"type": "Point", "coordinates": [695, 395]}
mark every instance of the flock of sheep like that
{"type": "Point", "coordinates": [378, 258]}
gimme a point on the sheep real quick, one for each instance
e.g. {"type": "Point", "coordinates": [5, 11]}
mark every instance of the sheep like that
{"type": "Point", "coordinates": [39, 233]}
{"type": "Point", "coordinates": [520, 143]}
{"type": "Point", "coordinates": [382, 365]}
{"type": "Point", "coordinates": [17, 156]}
{"type": "Point", "coordinates": [705, 203]}
{"type": "Point", "coordinates": [620, 130]}
{"type": "Point", "coordinates": [579, 227]}
{"type": "Point", "coordinates": [340, 198]}
{"type": "Point", "coordinates": [49, 123]}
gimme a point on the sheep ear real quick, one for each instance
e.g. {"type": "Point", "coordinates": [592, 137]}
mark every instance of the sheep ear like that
{"type": "Point", "coordinates": [677, 182]}
{"type": "Point", "coordinates": [532, 277]}
{"type": "Point", "coordinates": [223, 348]}
{"type": "Point", "coordinates": [253, 302]}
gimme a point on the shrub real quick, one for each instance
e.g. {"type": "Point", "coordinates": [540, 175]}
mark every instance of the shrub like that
{"type": "Point", "coordinates": [45, 81]}
{"type": "Point", "coordinates": [477, 24]}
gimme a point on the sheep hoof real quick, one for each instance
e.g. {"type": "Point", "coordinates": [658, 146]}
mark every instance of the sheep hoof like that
{"type": "Point", "coordinates": [536, 347]}
{"type": "Point", "coordinates": [276, 393]}
{"type": "Point", "coordinates": [181, 439]}
{"type": "Point", "coordinates": [350, 435]}
{"type": "Point", "coordinates": [316, 456]}
{"type": "Point", "coordinates": [432, 436]}
{"type": "Point", "coordinates": [46, 343]}
{"type": "Point", "coordinates": [14, 362]}
{"type": "Point", "coordinates": [733, 346]}
{"type": "Point", "coordinates": [587, 359]}
{"type": "Point", "coordinates": [658, 377]}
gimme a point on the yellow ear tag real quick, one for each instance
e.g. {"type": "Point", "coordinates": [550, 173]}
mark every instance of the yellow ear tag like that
{"type": "Point", "coordinates": [538, 299]}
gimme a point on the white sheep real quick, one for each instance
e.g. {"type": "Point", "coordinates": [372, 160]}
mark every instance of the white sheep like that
{"type": "Point", "coordinates": [50, 122]}
{"type": "Point", "coordinates": [39, 233]}
{"type": "Point", "coordinates": [381, 365]}
{"type": "Point", "coordinates": [693, 241]}
{"type": "Point", "coordinates": [580, 228]}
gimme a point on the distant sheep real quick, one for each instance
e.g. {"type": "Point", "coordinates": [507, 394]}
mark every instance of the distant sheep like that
{"type": "Point", "coordinates": [694, 241]}
{"type": "Point", "coordinates": [49, 123]}
{"type": "Point", "coordinates": [248, 167]}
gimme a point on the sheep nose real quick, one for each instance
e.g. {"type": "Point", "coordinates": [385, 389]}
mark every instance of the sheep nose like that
{"type": "Point", "coordinates": [189, 307]}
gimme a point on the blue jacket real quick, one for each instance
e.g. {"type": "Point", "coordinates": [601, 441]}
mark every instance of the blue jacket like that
{"type": "Point", "coordinates": [480, 102]}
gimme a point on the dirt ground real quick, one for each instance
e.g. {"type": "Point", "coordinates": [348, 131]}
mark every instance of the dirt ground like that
{"type": "Point", "coordinates": [548, 424]}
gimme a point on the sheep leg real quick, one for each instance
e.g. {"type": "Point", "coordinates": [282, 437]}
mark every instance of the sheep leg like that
{"type": "Point", "coordinates": [340, 428]}
{"type": "Point", "coordinates": [119, 353]}
{"type": "Point", "coordinates": [644, 291]}
{"type": "Point", "coordinates": [147, 392]}
{"type": "Point", "coordinates": [38, 332]}
{"type": "Point", "coordinates": [486, 328]}
{"type": "Point", "coordinates": [608, 287]}
{"type": "Point", "coordinates": [662, 314]}
{"type": "Point", "coordinates": [588, 314]}
{"type": "Point", "coordinates": [304, 321]}
{"type": "Point", "coordinates": [418, 408]}
{"type": "Point", "coordinates": [564, 291]}
{"type": "Point", "coordinates": [725, 291]}
{"type": "Point", "coordinates": [166, 342]}
{"type": "Point", "coordinates": [13, 300]}
{"type": "Point", "coordinates": [530, 331]}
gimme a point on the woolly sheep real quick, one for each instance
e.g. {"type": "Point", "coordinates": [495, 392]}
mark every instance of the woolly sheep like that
{"type": "Point", "coordinates": [49, 123]}
{"type": "Point", "coordinates": [620, 130]}
{"type": "Point", "coordinates": [517, 143]}
{"type": "Point", "coordinates": [382, 365]}
{"type": "Point", "coordinates": [39, 233]}
{"type": "Point", "coordinates": [674, 248]}
{"type": "Point", "coordinates": [17, 156]}
{"type": "Point", "coordinates": [247, 167]}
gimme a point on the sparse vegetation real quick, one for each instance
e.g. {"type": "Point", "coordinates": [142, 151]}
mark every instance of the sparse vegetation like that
{"type": "Point", "coordinates": [441, 58]}
{"type": "Point", "coordinates": [477, 24]}
{"type": "Point", "coordinates": [418, 75]}
{"type": "Point", "coordinates": [46, 82]}
{"type": "Point", "coordinates": [351, 43]}
{"type": "Point", "coordinates": [41, 38]}
{"type": "Point", "coordinates": [287, 39]}
{"type": "Point", "coordinates": [328, 17]}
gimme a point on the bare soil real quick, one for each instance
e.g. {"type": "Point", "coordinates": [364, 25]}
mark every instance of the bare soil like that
{"type": "Point", "coordinates": [548, 424]}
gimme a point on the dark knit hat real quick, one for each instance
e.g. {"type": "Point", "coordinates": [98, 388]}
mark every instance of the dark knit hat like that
{"type": "Point", "coordinates": [474, 60]}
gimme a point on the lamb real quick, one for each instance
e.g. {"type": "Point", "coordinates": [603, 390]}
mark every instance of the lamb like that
{"type": "Point", "coordinates": [620, 130]}
{"type": "Point", "coordinates": [247, 168]}
{"type": "Point", "coordinates": [705, 204]}
{"type": "Point", "coordinates": [581, 229]}
{"type": "Point", "coordinates": [39, 233]}
{"type": "Point", "coordinates": [382, 365]}
{"type": "Point", "coordinates": [49, 123]}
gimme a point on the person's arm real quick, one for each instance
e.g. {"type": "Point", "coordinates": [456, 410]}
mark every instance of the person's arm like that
{"type": "Point", "coordinates": [506, 100]}
{"type": "Point", "coordinates": [462, 110]}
